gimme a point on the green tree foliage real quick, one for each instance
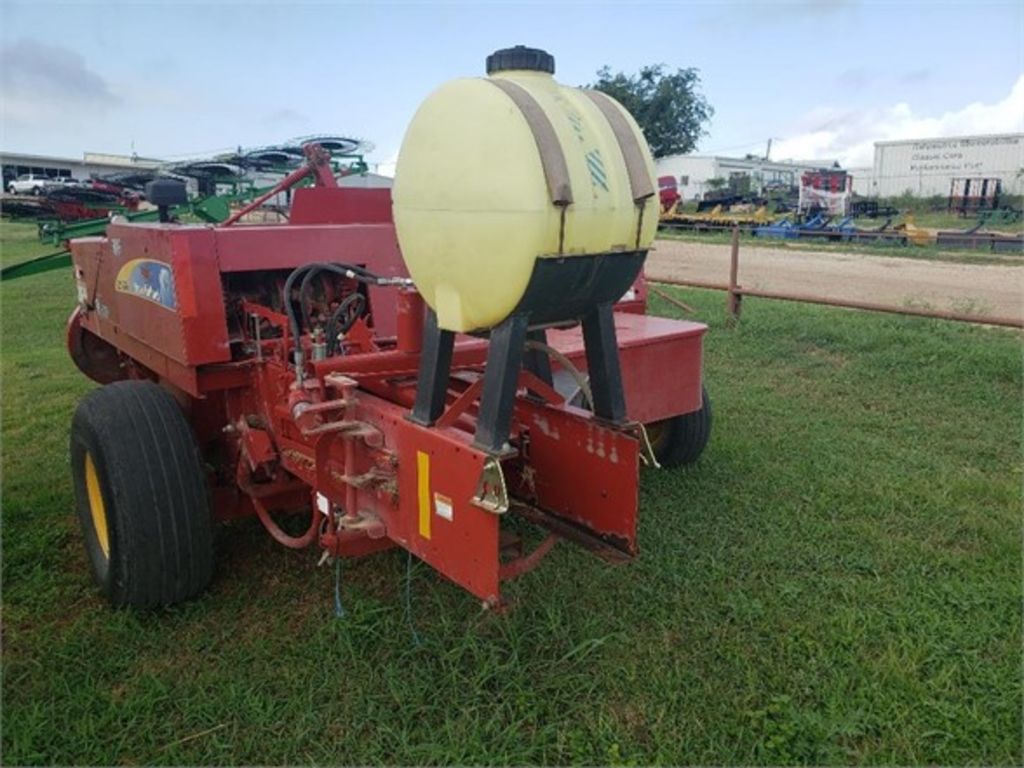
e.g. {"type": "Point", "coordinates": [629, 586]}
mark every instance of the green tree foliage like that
{"type": "Point", "coordinates": [668, 106]}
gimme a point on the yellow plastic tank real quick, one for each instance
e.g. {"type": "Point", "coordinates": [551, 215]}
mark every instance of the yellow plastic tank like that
{"type": "Point", "coordinates": [514, 193]}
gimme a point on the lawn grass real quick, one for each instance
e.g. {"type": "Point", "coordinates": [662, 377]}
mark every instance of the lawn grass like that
{"type": "Point", "coordinates": [837, 581]}
{"type": "Point", "coordinates": [947, 220]}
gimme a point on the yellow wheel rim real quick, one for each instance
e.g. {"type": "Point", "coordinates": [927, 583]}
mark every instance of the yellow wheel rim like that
{"type": "Point", "coordinates": [96, 507]}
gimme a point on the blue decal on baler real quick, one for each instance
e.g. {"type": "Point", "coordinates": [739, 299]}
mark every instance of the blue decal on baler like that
{"type": "Point", "coordinates": [148, 279]}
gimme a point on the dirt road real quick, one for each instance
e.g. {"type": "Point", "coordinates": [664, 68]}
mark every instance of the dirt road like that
{"type": "Point", "coordinates": [996, 290]}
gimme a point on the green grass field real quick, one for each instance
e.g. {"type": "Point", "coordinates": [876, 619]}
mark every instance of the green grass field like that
{"type": "Point", "coordinates": [838, 581]}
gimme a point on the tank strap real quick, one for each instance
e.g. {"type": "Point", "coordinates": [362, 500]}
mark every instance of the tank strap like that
{"type": "Point", "coordinates": [552, 158]}
{"type": "Point", "coordinates": [632, 153]}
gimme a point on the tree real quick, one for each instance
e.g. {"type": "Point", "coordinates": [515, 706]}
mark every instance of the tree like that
{"type": "Point", "coordinates": [670, 110]}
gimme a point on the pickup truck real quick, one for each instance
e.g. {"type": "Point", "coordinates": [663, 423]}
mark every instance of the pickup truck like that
{"type": "Point", "coordinates": [29, 184]}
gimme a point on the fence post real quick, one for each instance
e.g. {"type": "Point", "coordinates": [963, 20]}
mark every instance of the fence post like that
{"type": "Point", "coordinates": [735, 298]}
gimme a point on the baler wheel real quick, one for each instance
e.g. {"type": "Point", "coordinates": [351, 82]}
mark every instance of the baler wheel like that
{"type": "Point", "coordinates": [681, 439]}
{"type": "Point", "coordinates": [141, 496]}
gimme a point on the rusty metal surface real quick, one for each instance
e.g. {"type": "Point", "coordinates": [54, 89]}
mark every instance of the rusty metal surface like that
{"type": "Point", "coordinates": [570, 531]}
{"type": "Point", "coordinates": [526, 563]}
{"type": "Point", "coordinates": [579, 470]}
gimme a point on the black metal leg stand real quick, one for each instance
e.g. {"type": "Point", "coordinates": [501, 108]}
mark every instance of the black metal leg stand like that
{"type": "Point", "coordinates": [501, 377]}
{"type": "Point", "coordinates": [603, 364]}
{"type": "Point", "coordinates": [435, 369]}
{"type": "Point", "coordinates": [537, 361]}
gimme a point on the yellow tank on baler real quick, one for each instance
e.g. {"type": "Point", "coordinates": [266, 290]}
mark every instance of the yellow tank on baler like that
{"type": "Point", "coordinates": [499, 173]}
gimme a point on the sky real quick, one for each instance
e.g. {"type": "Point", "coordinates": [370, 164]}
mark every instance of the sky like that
{"type": "Point", "coordinates": [824, 79]}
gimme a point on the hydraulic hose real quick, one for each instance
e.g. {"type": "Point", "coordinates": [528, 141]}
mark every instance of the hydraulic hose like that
{"type": "Point", "coordinates": [581, 380]}
{"type": "Point", "coordinates": [351, 271]}
{"type": "Point", "coordinates": [292, 542]}
{"type": "Point", "coordinates": [316, 269]}
{"type": "Point", "coordinates": [346, 316]}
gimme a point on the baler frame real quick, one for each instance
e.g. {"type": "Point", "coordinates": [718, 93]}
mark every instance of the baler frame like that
{"type": "Point", "coordinates": [285, 426]}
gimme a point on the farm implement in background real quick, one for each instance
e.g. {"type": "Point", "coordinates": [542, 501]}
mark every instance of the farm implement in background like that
{"type": "Point", "coordinates": [745, 216]}
{"type": "Point", "coordinates": [225, 184]}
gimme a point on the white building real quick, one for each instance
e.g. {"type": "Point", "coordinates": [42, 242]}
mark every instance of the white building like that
{"type": "Point", "coordinates": [925, 167]}
{"type": "Point", "coordinates": [862, 177]}
{"type": "Point", "coordinates": [15, 164]}
{"type": "Point", "coordinates": [369, 179]}
{"type": "Point", "coordinates": [693, 172]}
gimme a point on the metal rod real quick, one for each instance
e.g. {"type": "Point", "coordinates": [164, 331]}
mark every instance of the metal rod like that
{"type": "Point", "coordinates": [672, 300]}
{"type": "Point", "coordinates": [735, 297]}
{"type": "Point", "coordinates": [317, 163]}
{"type": "Point", "coordinates": [689, 283]}
{"type": "Point", "coordinates": [1010, 322]}
{"type": "Point", "coordinates": [292, 178]}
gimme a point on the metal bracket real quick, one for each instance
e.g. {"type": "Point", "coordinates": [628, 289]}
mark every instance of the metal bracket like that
{"type": "Point", "coordinates": [491, 492]}
{"type": "Point", "coordinates": [363, 520]}
{"type": "Point", "coordinates": [372, 478]}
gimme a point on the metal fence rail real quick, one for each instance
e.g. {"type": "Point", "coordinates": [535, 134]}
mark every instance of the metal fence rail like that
{"type": "Point", "coordinates": [736, 292]}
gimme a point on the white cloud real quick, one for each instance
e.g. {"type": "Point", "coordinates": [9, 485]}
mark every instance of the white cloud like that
{"type": "Point", "coordinates": [849, 136]}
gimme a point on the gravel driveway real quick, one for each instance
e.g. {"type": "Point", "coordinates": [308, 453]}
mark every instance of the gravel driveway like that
{"type": "Point", "coordinates": [983, 289]}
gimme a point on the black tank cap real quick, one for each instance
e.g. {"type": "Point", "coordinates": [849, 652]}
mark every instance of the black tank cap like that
{"type": "Point", "coordinates": [521, 57]}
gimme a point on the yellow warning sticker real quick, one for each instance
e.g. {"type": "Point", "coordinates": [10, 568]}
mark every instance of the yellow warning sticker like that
{"type": "Point", "coordinates": [423, 488]}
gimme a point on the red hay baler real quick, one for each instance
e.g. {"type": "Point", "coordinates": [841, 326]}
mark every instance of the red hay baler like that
{"type": "Point", "coordinates": [294, 368]}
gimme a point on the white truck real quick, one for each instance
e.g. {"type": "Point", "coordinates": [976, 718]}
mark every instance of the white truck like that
{"type": "Point", "coordinates": [30, 184]}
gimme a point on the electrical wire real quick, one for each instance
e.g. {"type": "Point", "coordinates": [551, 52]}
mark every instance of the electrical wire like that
{"type": "Point", "coordinates": [339, 609]}
{"type": "Point", "coordinates": [408, 601]}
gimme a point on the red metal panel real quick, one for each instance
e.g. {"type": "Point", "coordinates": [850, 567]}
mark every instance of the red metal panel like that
{"type": "Point", "coordinates": [156, 285]}
{"type": "Point", "coordinates": [465, 547]}
{"type": "Point", "coordinates": [661, 363]}
{"type": "Point", "coordinates": [139, 252]}
{"type": "Point", "coordinates": [340, 205]}
{"type": "Point", "coordinates": [246, 248]}
{"type": "Point", "coordinates": [580, 470]}
{"type": "Point", "coordinates": [200, 296]}
{"type": "Point", "coordinates": [432, 515]}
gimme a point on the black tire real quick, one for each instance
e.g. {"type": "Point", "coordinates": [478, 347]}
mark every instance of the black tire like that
{"type": "Point", "coordinates": [681, 439]}
{"type": "Point", "coordinates": [138, 476]}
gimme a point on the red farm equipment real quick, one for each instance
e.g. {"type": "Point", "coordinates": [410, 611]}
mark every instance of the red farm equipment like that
{"type": "Point", "coordinates": [255, 369]}
{"type": "Point", "coordinates": [668, 193]}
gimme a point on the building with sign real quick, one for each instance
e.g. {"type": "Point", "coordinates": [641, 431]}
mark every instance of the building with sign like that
{"type": "Point", "coordinates": [925, 167]}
